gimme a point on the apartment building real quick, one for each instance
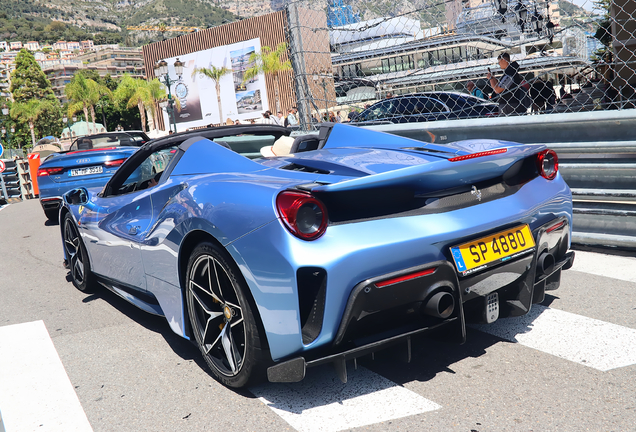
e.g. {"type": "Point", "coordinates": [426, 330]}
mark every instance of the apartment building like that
{"type": "Point", "coordinates": [113, 61]}
{"type": "Point", "coordinates": [32, 46]}
{"type": "Point", "coordinates": [60, 45]}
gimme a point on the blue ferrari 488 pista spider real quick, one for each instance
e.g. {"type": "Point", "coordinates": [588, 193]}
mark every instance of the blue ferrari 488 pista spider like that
{"type": "Point", "coordinates": [347, 242]}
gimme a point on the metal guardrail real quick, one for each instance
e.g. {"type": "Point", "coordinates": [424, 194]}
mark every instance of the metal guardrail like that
{"type": "Point", "coordinates": [597, 158]}
{"type": "Point", "coordinates": [9, 181]}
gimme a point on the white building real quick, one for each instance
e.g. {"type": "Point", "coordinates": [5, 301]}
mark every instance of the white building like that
{"type": "Point", "coordinates": [32, 46]}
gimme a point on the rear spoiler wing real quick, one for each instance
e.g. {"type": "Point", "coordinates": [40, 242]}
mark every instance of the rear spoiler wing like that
{"type": "Point", "coordinates": [444, 173]}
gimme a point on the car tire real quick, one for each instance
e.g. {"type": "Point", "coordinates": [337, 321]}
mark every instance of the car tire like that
{"type": "Point", "coordinates": [221, 317]}
{"type": "Point", "coordinates": [76, 256]}
{"type": "Point", "coordinates": [52, 215]}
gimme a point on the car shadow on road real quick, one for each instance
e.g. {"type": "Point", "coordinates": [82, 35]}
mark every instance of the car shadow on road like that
{"type": "Point", "coordinates": [49, 222]}
{"type": "Point", "coordinates": [431, 355]}
{"type": "Point", "coordinates": [157, 324]}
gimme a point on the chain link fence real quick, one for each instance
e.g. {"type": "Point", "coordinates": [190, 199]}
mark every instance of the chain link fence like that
{"type": "Point", "coordinates": [401, 61]}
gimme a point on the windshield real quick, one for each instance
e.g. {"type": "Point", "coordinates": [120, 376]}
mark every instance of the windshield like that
{"type": "Point", "coordinates": [104, 141]}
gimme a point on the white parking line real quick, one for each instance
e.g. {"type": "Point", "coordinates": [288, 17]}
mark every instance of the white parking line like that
{"type": "Point", "coordinates": [35, 392]}
{"type": "Point", "coordinates": [321, 403]}
{"type": "Point", "coordinates": [616, 267]}
{"type": "Point", "coordinates": [590, 342]}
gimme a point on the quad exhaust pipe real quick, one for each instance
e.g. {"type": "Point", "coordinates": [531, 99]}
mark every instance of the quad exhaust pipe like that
{"type": "Point", "coordinates": [441, 305]}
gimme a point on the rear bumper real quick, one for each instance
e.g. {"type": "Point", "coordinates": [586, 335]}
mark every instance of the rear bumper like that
{"type": "Point", "coordinates": [51, 203]}
{"type": "Point", "coordinates": [401, 307]}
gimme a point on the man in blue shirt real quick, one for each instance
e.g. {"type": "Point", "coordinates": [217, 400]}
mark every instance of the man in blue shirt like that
{"type": "Point", "coordinates": [474, 90]}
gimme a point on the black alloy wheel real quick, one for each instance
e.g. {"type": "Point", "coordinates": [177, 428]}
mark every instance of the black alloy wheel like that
{"type": "Point", "coordinates": [76, 256]}
{"type": "Point", "coordinates": [221, 317]}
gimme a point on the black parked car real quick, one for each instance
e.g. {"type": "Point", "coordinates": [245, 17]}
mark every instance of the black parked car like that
{"type": "Point", "coordinates": [419, 107]}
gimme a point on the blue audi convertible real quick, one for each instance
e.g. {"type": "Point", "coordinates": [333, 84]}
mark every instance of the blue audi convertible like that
{"type": "Point", "coordinates": [335, 245]}
{"type": "Point", "coordinates": [90, 162]}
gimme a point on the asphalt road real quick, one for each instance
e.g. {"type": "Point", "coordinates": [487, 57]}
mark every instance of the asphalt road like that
{"type": "Point", "coordinates": [569, 366]}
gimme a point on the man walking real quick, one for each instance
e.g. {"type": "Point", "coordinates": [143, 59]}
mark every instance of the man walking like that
{"type": "Point", "coordinates": [513, 98]}
{"type": "Point", "coordinates": [291, 117]}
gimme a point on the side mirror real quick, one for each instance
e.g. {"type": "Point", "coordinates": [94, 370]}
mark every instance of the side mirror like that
{"type": "Point", "coordinates": [77, 196]}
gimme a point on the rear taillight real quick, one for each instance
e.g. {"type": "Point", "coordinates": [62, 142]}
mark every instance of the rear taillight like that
{"type": "Point", "coordinates": [548, 164]}
{"type": "Point", "coordinates": [115, 163]}
{"type": "Point", "coordinates": [302, 214]}
{"type": "Point", "coordinates": [42, 172]}
{"type": "Point", "coordinates": [405, 278]}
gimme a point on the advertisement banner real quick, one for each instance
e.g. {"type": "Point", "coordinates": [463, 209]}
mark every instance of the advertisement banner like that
{"type": "Point", "coordinates": [203, 101]}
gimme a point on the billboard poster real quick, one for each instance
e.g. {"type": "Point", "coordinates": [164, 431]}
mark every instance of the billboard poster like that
{"type": "Point", "coordinates": [197, 94]}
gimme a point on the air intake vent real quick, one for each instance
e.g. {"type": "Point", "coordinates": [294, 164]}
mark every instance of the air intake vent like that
{"type": "Point", "coordinates": [312, 287]}
{"type": "Point", "coordinates": [296, 167]}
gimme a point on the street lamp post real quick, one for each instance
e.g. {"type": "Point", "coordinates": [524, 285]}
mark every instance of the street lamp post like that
{"type": "Point", "coordinates": [322, 76]}
{"type": "Point", "coordinates": [502, 7]}
{"type": "Point", "coordinates": [70, 124]}
{"type": "Point", "coordinates": [522, 14]}
{"type": "Point", "coordinates": [161, 72]}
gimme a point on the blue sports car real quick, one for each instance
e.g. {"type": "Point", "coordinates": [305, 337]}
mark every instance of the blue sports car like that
{"type": "Point", "coordinates": [341, 243]}
{"type": "Point", "coordinates": [90, 162]}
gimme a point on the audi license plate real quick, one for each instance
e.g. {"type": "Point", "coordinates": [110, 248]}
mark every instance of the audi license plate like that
{"type": "Point", "coordinates": [86, 171]}
{"type": "Point", "coordinates": [491, 250]}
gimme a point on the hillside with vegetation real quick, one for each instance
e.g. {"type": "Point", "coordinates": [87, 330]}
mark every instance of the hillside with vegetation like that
{"type": "Point", "coordinates": [106, 21]}
{"type": "Point", "coordinates": [103, 21]}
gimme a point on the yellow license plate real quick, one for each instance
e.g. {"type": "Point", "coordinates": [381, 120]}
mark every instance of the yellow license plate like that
{"type": "Point", "coordinates": [491, 250]}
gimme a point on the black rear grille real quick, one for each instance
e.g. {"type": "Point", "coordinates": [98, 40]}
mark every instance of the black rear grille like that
{"type": "Point", "coordinates": [381, 203]}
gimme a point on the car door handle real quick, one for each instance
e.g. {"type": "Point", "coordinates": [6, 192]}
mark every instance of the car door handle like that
{"type": "Point", "coordinates": [133, 230]}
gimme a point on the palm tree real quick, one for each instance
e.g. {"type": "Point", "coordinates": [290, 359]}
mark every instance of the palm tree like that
{"type": "Point", "coordinates": [158, 94]}
{"type": "Point", "coordinates": [78, 92]}
{"type": "Point", "coordinates": [134, 92]}
{"type": "Point", "coordinates": [215, 74]}
{"type": "Point", "coordinates": [269, 62]}
{"type": "Point", "coordinates": [95, 93]}
{"type": "Point", "coordinates": [29, 111]}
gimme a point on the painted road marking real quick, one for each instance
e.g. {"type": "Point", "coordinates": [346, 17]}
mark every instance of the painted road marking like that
{"type": "Point", "coordinates": [35, 392]}
{"type": "Point", "coordinates": [321, 403]}
{"type": "Point", "coordinates": [616, 267]}
{"type": "Point", "coordinates": [590, 342]}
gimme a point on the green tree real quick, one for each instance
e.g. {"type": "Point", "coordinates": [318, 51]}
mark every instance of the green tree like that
{"type": "Point", "coordinates": [29, 112]}
{"type": "Point", "coordinates": [157, 92]}
{"type": "Point", "coordinates": [78, 92]}
{"type": "Point", "coordinates": [215, 74]}
{"type": "Point", "coordinates": [271, 63]}
{"type": "Point", "coordinates": [113, 114]}
{"type": "Point", "coordinates": [134, 92]}
{"type": "Point", "coordinates": [603, 30]}
{"type": "Point", "coordinates": [29, 82]}
{"type": "Point", "coordinates": [96, 92]}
